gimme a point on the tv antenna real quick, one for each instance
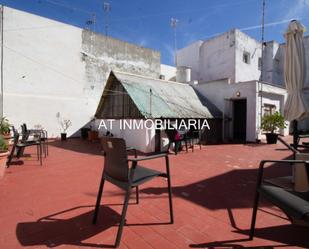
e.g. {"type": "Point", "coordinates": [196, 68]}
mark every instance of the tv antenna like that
{"type": "Point", "coordinates": [174, 23]}
{"type": "Point", "coordinates": [106, 8]}
{"type": "Point", "coordinates": [262, 62]}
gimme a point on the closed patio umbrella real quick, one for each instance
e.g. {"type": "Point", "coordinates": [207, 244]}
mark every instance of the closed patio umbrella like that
{"type": "Point", "coordinates": [294, 73]}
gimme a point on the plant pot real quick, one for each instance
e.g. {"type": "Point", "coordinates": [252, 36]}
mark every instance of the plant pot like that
{"type": "Point", "coordinates": [3, 159]}
{"type": "Point", "coordinates": [93, 135]}
{"type": "Point", "coordinates": [7, 137]}
{"type": "Point", "coordinates": [271, 138]}
{"type": "Point", "coordinates": [63, 136]}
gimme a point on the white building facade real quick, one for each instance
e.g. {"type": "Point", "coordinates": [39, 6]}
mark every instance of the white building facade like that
{"type": "Point", "coordinates": [230, 67]}
{"type": "Point", "coordinates": [51, 67]}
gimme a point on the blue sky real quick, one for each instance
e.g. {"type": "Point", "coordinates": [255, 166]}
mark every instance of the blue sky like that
{"type": "Point", "coordinates": [147, 23]}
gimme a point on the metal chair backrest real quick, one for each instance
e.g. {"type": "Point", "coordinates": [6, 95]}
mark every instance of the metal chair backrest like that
{"type": "Point", "coordinates": [116, 158]}
{"type": "Point", "coordinates": [171, 134]}
{"type": "Point", "coordinates": [25, 133]}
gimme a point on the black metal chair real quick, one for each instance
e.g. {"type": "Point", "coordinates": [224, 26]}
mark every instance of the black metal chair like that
{"type": "Point", "coordinates": [117, 171]}
{"type": "Point", "coordinates": [171, 135]}
{"type": "Point", "coordinates": [294, 204]}
{"type": "Point", "coordinates": [38, 134]}
{"type": "Point", "coordinates": [193, 135]}
{"type": "Point", "coordinates": [20, 145]}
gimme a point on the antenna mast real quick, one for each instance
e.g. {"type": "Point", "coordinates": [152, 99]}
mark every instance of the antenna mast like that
{"type": "Point", "coordinates": [106, 8]}
{"type": "Point", "coordinates": [174, 22]}
{"type": "Point", "coordinates": [94, 20]}
{"type": "Point", "coordinates": [262, 64]}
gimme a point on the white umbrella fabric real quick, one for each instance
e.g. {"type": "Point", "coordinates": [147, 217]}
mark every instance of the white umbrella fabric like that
{"type": "Point", "coordinates": [294, 72]}
{"type": "Point", "coordinates": [295, 107]}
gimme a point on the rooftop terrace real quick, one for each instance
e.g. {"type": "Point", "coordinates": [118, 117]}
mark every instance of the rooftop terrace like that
{"type": "Point", "coordinates": [213, 189]}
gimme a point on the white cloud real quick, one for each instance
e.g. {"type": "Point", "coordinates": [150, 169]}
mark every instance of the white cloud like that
{"type": "Point", "coordinates": [299, 9]}
{"type": "Point", "coordinates": [143, 42]}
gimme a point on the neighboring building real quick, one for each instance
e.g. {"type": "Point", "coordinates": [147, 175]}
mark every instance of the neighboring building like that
{"type": "Point", "coordinates": [236, 57]}
{"type": "Point", "coordinates": [221, 63]}
{"type": "Point", "coordinates": [233, 56]}
{"type": "Point", "coordinates": [51, 67]}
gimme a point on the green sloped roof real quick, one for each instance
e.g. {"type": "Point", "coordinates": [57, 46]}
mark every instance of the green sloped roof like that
{"type": "Point", "coordinates": [167, 100]}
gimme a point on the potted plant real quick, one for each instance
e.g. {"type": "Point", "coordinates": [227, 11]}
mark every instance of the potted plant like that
{"type": "Point", "coordinates": [5, 129]}
{"type": "Point", "coordinates": [65, 125]}
{"type": "Point", "coordinates": [270, 124]}
{"type": "Point", "coordinates": [3, 155]}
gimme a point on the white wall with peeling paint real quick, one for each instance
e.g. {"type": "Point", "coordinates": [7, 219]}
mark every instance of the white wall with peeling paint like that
{"type": "Point", "coordinates": [52, 67]}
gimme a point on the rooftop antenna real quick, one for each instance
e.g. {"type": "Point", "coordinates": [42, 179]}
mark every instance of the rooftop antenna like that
{"type": "Point", "coordinates": [174, 22]}
{"type": "Point", "coordinates": [94, 20]}
{"type": "Point", "coordinates": [262, 63]}
{"type": "Point", "coordinates": [106, 8]}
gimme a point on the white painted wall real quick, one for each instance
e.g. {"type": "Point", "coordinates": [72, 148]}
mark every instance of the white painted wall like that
{"type": "Point", "coordinates": [43, 72]}
{"type": "Point", "coordinates": [141, 139]}
{"type": "Point", "coordinates": [217, 58]}
{"type": "Point", "coordinates": [220, 92]}
{"type": "Point", "coordinates": [244, 71]}
{"type": "Point", "coordinates": [168, 71]}
{"type": "Point", "coordinates": [52, 67]}
{"type": "Point", "coordinates": [273, 68]}
{"type": "Point", "coordinates": [190, 57]}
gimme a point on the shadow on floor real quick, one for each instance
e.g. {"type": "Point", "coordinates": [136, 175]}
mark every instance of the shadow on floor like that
{"type": "Point", "coordinates": [234, 189]}
{"type": "Point", "coordinates": [52, 231]}
{"type": "Point", "coordinates": [83, 146]}
{"type": "Point", "coordinates": [78, 145]}
{"type": "Point", "coordinates": [286, 235]}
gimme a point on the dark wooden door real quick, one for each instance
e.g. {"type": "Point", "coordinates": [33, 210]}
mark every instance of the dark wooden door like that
{"type": "Point", "coordinates": [240, 119]}
{"type": "Point", "coordinates": [158, 141]}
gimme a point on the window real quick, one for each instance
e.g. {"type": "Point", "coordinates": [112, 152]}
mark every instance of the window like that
{"type": "Point", "coordinates": [260, 63]}
{"type": "Point", "coordinates": [246, 57]}
{"type": "Point", "coordinates": [269, 109]}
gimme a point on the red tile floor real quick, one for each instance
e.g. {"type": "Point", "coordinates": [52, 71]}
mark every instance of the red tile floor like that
{"type": "Point", "coordinates": [213, 188]}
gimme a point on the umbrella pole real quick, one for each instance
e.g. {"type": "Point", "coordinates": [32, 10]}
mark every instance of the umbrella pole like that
{"type": "Point", "coordinates": [295, 134]}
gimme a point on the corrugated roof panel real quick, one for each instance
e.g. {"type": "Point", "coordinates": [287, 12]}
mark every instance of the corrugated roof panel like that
{"type": "Point", "coordinates": [169, 99]}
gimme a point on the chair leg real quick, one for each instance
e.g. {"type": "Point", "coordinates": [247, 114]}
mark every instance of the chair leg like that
{"type": "Point", "coordinates": [137, 195]}
{"type": "Point", "coordinates": [177, 145]}
{"type": "Point", "coordinates": [8, 163]}
{"type": "Point", "coordinates": [97, 205]}
{"type": "Point", "coordinates": [44, 149]}
{"type": "Point", "coordinates": [168, 147]}
{"type": "Point", "coordinates": [41, 153]}
{"type": "Point", "coordinates": [47, 144]}
{"type": "Point", "coordinates": [37, 152]}
{"type": "Point", "coordinates": [186, 143]}
{"type": "Point", "coordinates": [169, 191]}
{"type": "Point", "coordinates": [123, 216]}
{"type": "Point", "coordinates": [254, 213]}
